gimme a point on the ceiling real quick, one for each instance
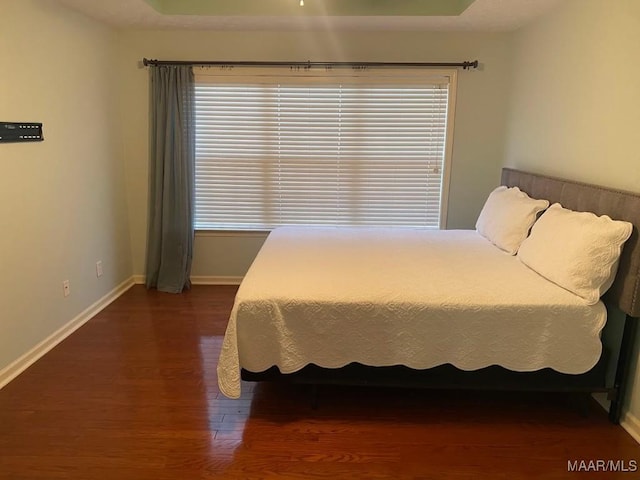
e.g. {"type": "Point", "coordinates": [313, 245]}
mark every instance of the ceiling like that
{"type": "Point", "coordinates": [329, 8]}
{"type": "Point", "coordinates": [439, 15]}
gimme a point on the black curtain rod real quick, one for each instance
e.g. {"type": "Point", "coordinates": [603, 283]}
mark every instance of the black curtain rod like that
{"type": "Point", "coordinates": [465, 65]}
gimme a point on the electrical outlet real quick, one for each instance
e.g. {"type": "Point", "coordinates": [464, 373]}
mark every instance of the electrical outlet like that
{"type": "Point", "coordinates": [99, 268]}
{"type": "Point", "coordinates": [66, 288]}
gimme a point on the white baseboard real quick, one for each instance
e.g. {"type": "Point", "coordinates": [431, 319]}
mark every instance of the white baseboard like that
{"type": "Point", "coordinates": [632, 425]}
{"type": "Point", "coordinates": [200, 280]}
{"type": "Point", "coordinates": [213, 280]}
{"type": "Point", "coordinates": [629, 421]}
{"type": "Point", "coordinates": [25, 361]}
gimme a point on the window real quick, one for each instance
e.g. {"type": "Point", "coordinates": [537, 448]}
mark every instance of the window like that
{"type": "Point", "coordinates": [338, 148]}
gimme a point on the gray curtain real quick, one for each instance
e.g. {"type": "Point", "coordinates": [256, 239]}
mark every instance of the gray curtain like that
{"type": "Point", "coordinates": [171, 178]}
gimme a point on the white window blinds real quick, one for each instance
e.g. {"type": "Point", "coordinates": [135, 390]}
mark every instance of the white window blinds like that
{"type": "Point", "coordinates": [335, 150]}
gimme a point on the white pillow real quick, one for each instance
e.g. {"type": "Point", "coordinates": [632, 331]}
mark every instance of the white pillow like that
{"type": "Point", "coordinates": [507, 216]}
{"type": "Point", "coordinates": [577, 250]}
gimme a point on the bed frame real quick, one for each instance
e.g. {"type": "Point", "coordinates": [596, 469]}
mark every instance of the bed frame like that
{"type": "Point", "coordinates": [624, 295]}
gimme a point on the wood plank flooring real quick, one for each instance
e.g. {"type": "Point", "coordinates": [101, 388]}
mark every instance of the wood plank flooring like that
{"type": "Point", "coordinates": [133, 395]}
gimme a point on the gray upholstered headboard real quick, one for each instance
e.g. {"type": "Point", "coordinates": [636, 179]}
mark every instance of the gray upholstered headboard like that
{"type": "Point", "coordinates": [625, 291]}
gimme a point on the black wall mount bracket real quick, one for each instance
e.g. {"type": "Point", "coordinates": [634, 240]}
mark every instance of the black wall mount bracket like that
{"type": "Point", "coordinates": [20, 132]}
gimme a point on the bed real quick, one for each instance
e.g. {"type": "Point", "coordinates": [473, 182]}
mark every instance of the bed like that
{"type": "Point", "coordinates": [435, 309]}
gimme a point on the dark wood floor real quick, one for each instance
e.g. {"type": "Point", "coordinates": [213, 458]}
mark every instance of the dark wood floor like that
{"type": "Point", "coordinates": [133, 395]}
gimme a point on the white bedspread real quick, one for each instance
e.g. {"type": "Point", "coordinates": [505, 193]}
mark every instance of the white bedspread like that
{"type": "Point", "coordinates": [332, 296]}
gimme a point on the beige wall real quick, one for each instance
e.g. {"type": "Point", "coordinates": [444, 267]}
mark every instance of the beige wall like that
{"type": "Point", "coordinates": [479, 128]}
{"type": "Point", "coordinates": [62, 201]}
{"type": "Point", "coordinates": [575, 109]}
{"type": "Point", "coordinates": [576, 102]}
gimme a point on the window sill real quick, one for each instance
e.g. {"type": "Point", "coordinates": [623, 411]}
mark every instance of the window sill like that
{"type": "Point", "coordinates": [232, 233]}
